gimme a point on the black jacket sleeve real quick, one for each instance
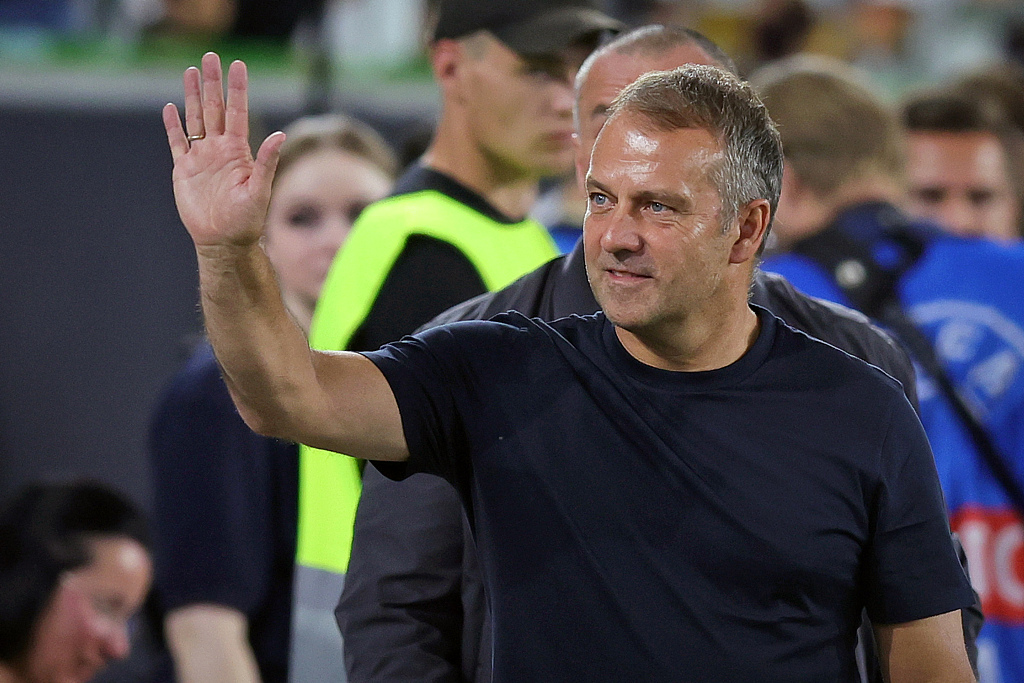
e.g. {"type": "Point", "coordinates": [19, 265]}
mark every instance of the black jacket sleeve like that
{"type": "Point", "coordinates": [413, 607]}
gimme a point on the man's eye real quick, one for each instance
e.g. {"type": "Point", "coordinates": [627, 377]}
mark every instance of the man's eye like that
{"type": "Point", "coordinates": [658, 207]}
{"type": "Point", "coordinates": [980, 197]}
{"type": "Point", "coordinates": [598, 199]}
{"type": "Point", "coordinates": [931, 195]}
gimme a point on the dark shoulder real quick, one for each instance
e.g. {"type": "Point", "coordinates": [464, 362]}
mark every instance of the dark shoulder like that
{"type": "Point", "coordinates": [423, 250]}
{"type": "Point", "coordinates": [802, 357]}
{"type": "Point", "coordinates": [835, 324]}
{"type": "Point", "coordinates": [512, 324]}
{"type": "Point", "coordinates": [524, 295]}
{"type": "Point", "coordinates": [568, 326]}
{"type": "Point", "coordinates": [428, 276]}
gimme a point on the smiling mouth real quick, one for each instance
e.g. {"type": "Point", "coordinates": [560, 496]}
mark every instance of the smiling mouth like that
{"type": "Point", "coordinates": [619, 275]}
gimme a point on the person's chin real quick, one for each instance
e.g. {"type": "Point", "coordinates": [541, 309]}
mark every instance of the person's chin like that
{"type": "Point", "coordinates": [622, 314]}
{"type": "Point", "coordinates": [84, 672]}
{"type": "Point", "coordinates": [552, 162]}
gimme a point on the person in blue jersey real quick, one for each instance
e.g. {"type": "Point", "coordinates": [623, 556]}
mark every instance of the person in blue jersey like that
{"type": "Point", "coordinates": [956, 301]}
{"type": "Point", "coordinates": [679, 487]}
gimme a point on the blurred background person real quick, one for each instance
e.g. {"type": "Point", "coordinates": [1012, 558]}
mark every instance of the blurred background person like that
{"type": "Point", "coordinates": [226, 497]}
{"type": "Point", "coordinates": [74, 569]}
{"type": "Point", "coordinates": [953, 302]}
{"type": "Point", "coordinates": [1001, 82]}
{"type": "Point", "coordinates": [965, 163]}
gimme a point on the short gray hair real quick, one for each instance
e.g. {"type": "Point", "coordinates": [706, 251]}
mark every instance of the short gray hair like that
{"type": "Point", "coordinates": [652, 40]}
{"type": "Point", "coordinates": [714, 100]}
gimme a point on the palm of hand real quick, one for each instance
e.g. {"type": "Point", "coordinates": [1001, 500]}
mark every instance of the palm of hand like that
{"type": "Point", "coordinates": [221, 191]}
{"type": "Point", "coordinates": [215, 193]}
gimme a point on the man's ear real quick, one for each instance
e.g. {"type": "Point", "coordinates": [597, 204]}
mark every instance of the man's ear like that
{"type": "Point", "coordinates": [446, 57]}
{"type": "Point", "coordinates": [753, 222]}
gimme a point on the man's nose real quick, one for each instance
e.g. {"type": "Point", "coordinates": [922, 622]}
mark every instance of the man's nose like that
{"type": "Point", "coordinates": [116, 642]}
{"type": "Point", "coordinates": [959, 216]}
{"type": "Point", "coordinates": [620, 234]}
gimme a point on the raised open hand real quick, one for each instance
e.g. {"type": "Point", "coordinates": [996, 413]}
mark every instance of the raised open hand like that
{"type": "Point", "coordinates": [222, 193]}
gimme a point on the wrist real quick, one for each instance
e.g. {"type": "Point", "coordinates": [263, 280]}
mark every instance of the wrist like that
{"type": "Point", "coordinates": [228, 252]}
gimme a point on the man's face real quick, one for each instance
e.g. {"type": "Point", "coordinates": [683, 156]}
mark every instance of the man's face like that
{"type": "Point", "coordinates": [519, 110]}
{"type": "Point", "coordinates": [655, 250]}
{"type": "Point", "coordinates": [608, 75]}
{"type": "Point", "coordinates": [961, 181]}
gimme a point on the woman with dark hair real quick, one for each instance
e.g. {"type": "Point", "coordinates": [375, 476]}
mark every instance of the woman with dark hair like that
{"type": "Point", "coordinates": [74, 568]}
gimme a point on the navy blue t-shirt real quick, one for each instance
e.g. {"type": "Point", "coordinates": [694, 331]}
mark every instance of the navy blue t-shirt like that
{"type": "Point", "coordinates": [640, 524]}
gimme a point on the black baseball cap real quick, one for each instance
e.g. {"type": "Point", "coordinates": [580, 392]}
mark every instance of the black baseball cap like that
{"type": "Point", "coordinates": [529, 27]}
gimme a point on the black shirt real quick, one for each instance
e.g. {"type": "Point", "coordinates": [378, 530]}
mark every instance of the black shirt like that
{"type": "Point", "coordinates": [641, 524]}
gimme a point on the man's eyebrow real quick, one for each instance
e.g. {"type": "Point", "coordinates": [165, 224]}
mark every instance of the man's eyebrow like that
{"type": "Point", "coordinates": [591, 183]}
{"type": "Point", "coordinates": [681, 202]}
{"type": "Point", "coordinates": [676, 200]}
{"type": "Point", "coordinates": [599, 110]}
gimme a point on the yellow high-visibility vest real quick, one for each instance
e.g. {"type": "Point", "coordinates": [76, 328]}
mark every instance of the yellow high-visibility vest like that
{"type": "Point", "coordinates": [329, 484]}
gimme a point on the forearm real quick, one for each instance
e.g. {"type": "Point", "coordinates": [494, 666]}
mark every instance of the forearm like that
{"type": "Point", "coordinates": [929, 650]}
{"type": "Point", "coordinates": [209, 644]}
{"type": "Point", "coordinates": [264, 355]}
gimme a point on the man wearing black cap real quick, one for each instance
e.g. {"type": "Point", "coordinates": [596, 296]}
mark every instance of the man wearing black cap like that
{"type": "Point", "coordinates": [454, 228]}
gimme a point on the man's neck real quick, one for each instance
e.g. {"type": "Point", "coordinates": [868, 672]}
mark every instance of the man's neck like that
{"type": "Point", "coordinates": [701, 342]}
{"type": "Point", "coordinates": [510, 190]}
{"type": "Point", "coordinates": [817, 213]}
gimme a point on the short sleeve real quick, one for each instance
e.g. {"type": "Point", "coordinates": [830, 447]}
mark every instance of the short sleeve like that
{"type": "Point", "coordinates": [912, 568]}
{"type": "Point", "coordinates": [213, 496]}
{"type": "Point", "coordinates": [444, 381]}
